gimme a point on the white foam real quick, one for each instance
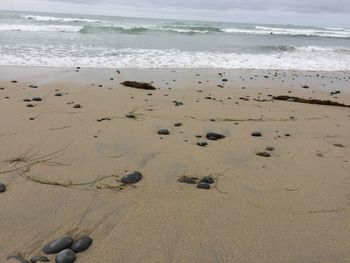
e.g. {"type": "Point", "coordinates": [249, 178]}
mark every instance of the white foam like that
{"type": "Point", "coordinates": [59, 19]}
{"type": "Point", "coordinates": [261, 30]}
{"type": "Point", "coordinates": [42, 28]}
{"type": "Point", "coordinates": [173, 58]}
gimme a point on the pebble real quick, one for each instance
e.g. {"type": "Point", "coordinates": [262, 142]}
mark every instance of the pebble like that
{"type": "Point", "coordinates": [163, 132]}
{"type": "Point", "coordinates": [65, 256]}
{"type": "Point", "coordinates": [208, 180]}
{"type": "Point", "coordinates": [187, 180]}
{"type": "Point", "coordinates": [132, 178]}
{"type": "Point", "coordinates": [2, 188]}
{"type": "Point", "coordinates": [39, 258]}
{"type": "Point", "coordinates": [130, 116]}
{"type": "Point", "coordinates": [81, 244]}
{"type": "Point", "coordinates": [214, 136]}
{"type": "Point", "coordinates": [263, 154]}
{"type": "Point", "coordinates": [203, 185]}
{"type": "Point", "coordinates": [36, 99]}
{"type": "Point", "coordinates": [58, 245]}
{"type": "Point", "coordinates": [269, 148]}
{"type": "Point", "coordinates": [178, 124]}
{"type": "Point", "coordinates": [30, 105]}
{"type": "Point", "coordinates": [256, 134]}
{"type": "Point", "coordinates": [77, 106]}
{"type": "Point", "coordinates": [202, 144]}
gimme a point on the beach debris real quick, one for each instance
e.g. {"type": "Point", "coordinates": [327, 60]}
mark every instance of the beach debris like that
{"type": "Point", "coordinates": [39, 258]}
{"type": "Point", "coordinates": [188, 180]}
{"type": "Point", "coordinates": [104, 119]}
{"type": "Point", "coordinates": [132, 178]}
{"type": "Point", "coordinates": [138, 85]}
{"type": "Point", "coordinates": [77, 106]}
{"type": "Point", "coordinates": [81, 244]}
{"type": "Point", "coordinates": [66, 256]}
{"type": "Point", "coordinates": [2, 188]}
{"type": "Point", "coordinates": [263, 154]}
{"type": "Point", "coordinates": [310, 101]}
{"type": "Point", "coordinates": [203, 185]}
{"type": "Point", "coordinates": [58, 245]}
{"type": "Point", "coordinates": [208, 180]}
{"type": "Point", "coordinates": [163, 132]}
{"type": "Point", "coordinates": [202, 144]}
{"type": "Point", "coordinates": [214, 136]}
{"type": "Point", "coordinates": [256, 134]}
{"type": "Point", "coordinates": [178, 124]}
{"type": "Point", "coordinates": [338, 145]}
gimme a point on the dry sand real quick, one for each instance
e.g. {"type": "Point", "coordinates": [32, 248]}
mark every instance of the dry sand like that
{"type": "Point", "coordinates": [291, 207]}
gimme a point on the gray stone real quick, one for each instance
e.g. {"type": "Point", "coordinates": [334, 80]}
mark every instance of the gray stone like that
{"type": "Point", "coordinates": [132, 178]}
{"type": "Point", "coordinates": [2, 188]}
{"type": "Point", "coordinates": [256, 134]}
{"type": "Point", "coordinates": [66, 256]}
{"type": "Point", "coordinates": [58, 245]}
{"type": "Point", "coordinates": [208, 180]}
{"type": "Point", "coordinates": [202, 185]}
{"type": "Point", "coordinates": [163, 132]}
{"type": "Point", "coordinates": [81, 244]}
{"type": "Point", "coordinates": [214, 136]}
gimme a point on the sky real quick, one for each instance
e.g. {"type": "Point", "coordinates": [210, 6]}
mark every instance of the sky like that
{"type": "Point", "coordinates": [332, 13]}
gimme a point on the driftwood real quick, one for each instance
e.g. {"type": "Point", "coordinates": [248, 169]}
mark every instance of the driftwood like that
{"type": "Point", "coordinates": [311, 101]}
{"type": "Point", "coordinates": [138, 85]}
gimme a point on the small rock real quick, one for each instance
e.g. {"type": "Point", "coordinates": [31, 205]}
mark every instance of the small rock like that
{"type": "Point", "coordinates": [130, 116]}
{"type": "Point", "coordinates": [202, 144]}
{"type": "Point", "coordinates": [256, 134]}
{"type": "Point", "coordinates": [263, 154]}
{"type": "Point", "coordinates": [188, 180]}
{"type": "Point", "coordinates": [163, 132]}
{"type": "Point", "coordinates": [202, 185]}
{"type": "Point", "coordinates": [36, 99]}
{"type": "Point", "coordinates": [65, 256]}
{"type": "Point", "coordinates": [39, 258]}
{"type": "Point", "coordinates": [30, 105]}
{"type": "Point", "coordinates": [81, 244]}
{"type": "Point", "coordinates": [132, 178]}
{"type": "Point", "coordinates": [208, 180]}
{"type": "Point", "coordinates": [13, 81]}
{"type": "Point", "coordinates": [178, 124]}
{"type": "Point", "coordinates": [58, 245]}
{"type": "Point", "coordinates": [214, 136]}
{"type": "Point", "coordinates": [58, 94]}
{"type": "Point", "coordinates": [269, 148]}
{"type": "Point", "coordinates": [338, 145]}
{"type": "Point", "coordinates": [77, 106]}
{"type": "Point", "coordinates": [305, 87]}
{"type": "Point", "coordinates": [2, 188]}
{"type": "Point", "coordinates": [178, 103]}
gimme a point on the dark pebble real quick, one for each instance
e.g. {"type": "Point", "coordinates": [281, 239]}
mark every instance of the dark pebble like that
{"type": "Point", "coordinates": [65, 256]}
{"type": "Point", "coordinates": [263, 154]}
{"type": "Point", "coordinates": [58, 245]}
{"type": "Point", "coordinates": [36, 99]}
{"type": "Point", "coordinates": [214, 136]}
{"type": "Point", "coordinates": [203, 185]}
{"type": "Point", "coordinates": [187, 180]}
{"type": "Point", "coordinates": [178, 103]}
{"type": "Point", "coordinates": [26, 100]}
{"type": "Point", "coordinates": [208, 180]}
{"type": "Point", "coordinates": [178, 124]}
{"type": "Point", "coordinates": [77, 106]}
{"type": "Point", "coordinates": [202, 144]}
{"type": "Point", "coordinates": [132, 178]}
{"type": "Point", "coordinates": [39, 258]}
{"type": "Point", "coordinates": [30, 105]}
{"type": "Point", "coordinates": [269, 148]}
{"type": "Point", "coordinates": [163, 132]}
{"type": "Point", "coordinates": [58, 94]}
{"type": "Point", "coordinates": [130, 116]}
{"type": "Point", "coordinates": [256, 134]}
{"type": "Point", "coordinates": [2, 188]}
{"type": "Point", "coordinates": [81, 244]}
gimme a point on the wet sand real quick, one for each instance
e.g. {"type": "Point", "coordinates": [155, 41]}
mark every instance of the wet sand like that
{"type": "Point", "coordinates": [291, 207]}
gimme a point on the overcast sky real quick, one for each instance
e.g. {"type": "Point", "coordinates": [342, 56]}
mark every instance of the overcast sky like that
{"type": "Point", "coordinates": [302, 12]}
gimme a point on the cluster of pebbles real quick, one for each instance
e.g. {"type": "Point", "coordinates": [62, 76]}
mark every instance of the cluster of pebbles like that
{"type": "Point", "coordinates": [66, 249]}
{"type": "Point", "coordinates": [203, 183]}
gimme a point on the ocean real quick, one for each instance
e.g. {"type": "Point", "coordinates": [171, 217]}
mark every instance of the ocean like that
{"type": "Point", "coordinates": [62, 40]}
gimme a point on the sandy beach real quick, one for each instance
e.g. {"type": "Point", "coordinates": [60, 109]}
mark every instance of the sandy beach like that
{"type": "Point", "coordinates": [62, 164]}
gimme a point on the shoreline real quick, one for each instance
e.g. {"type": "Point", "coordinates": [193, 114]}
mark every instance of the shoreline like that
{"type": "Point", "coordinates": [260, 209]}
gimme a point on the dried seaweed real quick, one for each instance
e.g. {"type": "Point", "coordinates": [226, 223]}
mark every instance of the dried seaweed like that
{"type": "Point", "coordinates": [310, 101]}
